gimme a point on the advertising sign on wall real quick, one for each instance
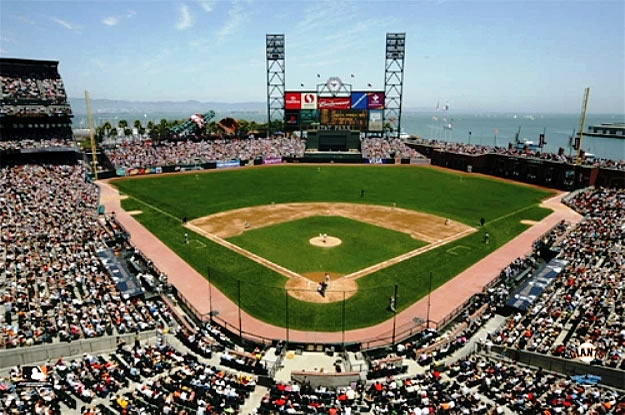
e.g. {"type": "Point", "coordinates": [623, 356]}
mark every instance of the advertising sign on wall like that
{"type": "Point", "coordinates": [359, 100]}
{"type": "Point", "coordinates": [309, 101]}
{"type": "Point", "coordinates": [376, 120]}
{"type": "Point", "coordinates": [292, 100]}
{"type": "Point", "coordinates": [226, 164]}
{"type": "Point", "coordinates": [334, 103]}
{"type": "Point", "coordinates": [308, 118]}
{"type": "Point", "coordinates": [375, 100]}
{"type": "Point", "coordinates": [291, 120]}
{"type": "Point", "coordinates": [272, 160]}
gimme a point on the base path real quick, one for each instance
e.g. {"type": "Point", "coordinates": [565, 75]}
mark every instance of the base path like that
{"type": "Point", "coordinates": [445, 299]}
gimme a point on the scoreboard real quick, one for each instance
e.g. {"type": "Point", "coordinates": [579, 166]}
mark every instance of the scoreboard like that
{"type": "Point", "coordinates": [358, 111]}
{"type": "Point", "coordinates": [355, 119]}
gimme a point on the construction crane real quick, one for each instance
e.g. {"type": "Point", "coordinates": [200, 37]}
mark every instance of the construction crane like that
{"type": "Point", "coordinates": [94, 158]}
{"type": "Point", "coordinates": [582, 120]}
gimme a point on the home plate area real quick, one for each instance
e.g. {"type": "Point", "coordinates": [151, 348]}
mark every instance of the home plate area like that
{"type": "Point", "coordinates": [308, 287]}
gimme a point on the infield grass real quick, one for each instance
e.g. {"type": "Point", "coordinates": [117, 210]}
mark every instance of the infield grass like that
{"type": "Point", "coordinates": [165, 200]}
{"type": "Point", "coordinates": [287, 244]}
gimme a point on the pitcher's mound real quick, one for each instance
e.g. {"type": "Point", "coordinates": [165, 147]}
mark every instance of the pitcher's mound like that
{"type": "Point", "coordinates": [305, 288]}
{"type": "Point", "coordinates": [329, 242]}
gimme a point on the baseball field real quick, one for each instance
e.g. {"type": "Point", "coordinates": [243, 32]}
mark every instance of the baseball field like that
{"type": "Point", "coordinates": [269, 236]}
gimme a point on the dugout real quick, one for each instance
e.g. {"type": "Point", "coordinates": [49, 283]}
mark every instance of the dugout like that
{"type": "Point", "coordinates": [333, 140]}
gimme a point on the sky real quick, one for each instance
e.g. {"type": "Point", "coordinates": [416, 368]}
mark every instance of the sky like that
{"type": "Point", "coordinates": [476, 56]}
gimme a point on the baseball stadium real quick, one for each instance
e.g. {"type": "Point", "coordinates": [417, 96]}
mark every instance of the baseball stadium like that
{"type": "Point", "coordinates": [325, 262]}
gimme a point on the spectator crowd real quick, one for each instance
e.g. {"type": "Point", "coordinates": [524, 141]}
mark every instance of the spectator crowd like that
{"type": "Point", "coordinates": [37, 144]}
{"type": "Point", "coordinates": [146, 154]}
{"type": "Point", "coordinates": [478, 149]}
{"type": "Point", "coordinates": [382, 148]}
{"type": "Point", "coordinates": [52, 284]}
{"type": "Point", "coordinates": [54, 288]}
{"type": "Point", "coordinates": [32, 88]}
{"type": "Point", "coordinates": [586, 302]}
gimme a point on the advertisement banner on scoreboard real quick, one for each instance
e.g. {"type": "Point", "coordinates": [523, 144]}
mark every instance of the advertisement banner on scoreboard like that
{"type": "Point", "coordinates": [291, 120]}
{"type": "Point", "coordinates": [334, 103]}
{"type": "Point", "coordinates": [309, 119]}
{"type": "Point", "coordinates": [354, 119]}
{"type": "Point", "coordinates": [359, 100]}
{"type": "Point", "coordinates": [309, 101]}
{"type": "Point", "coordinates": [376, 118]}
{"type": "Point", "coordinates": [292, 100]}
{"type": "Point", "coordinates": [375, 101]}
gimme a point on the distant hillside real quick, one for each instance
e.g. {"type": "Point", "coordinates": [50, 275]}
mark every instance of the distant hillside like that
{"type": "Point", "coordinates": [113, 106]}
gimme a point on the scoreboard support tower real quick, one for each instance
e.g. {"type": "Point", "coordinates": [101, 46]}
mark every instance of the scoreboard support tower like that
{"type": "Point", "coordinates": [394, 79]}
{"type": "Point", "coordinates": [275, 79]}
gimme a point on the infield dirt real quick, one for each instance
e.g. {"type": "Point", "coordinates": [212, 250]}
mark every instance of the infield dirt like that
{"type": "Point", "coordinates": [433, 229]}
{"type": "Point", "coordinates": [422, 226]}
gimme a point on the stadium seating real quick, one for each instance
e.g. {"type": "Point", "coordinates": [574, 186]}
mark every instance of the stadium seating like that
{"type": "Point", "coordinates": [476, 149]}
{"type": "Point", "coordinates": [380, 148]}
{"type": "Point", "coordinates": [145, 154]}
{"type": "Point", "coordinates": [52, 284]}
{"type": "Point", "coordinates": [586, 301]}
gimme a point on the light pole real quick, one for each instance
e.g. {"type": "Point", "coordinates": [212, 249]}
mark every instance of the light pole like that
{"type": "Point", "coordinates": [469, 137]}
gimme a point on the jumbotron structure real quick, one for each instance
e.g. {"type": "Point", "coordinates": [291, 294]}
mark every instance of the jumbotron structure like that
{"type": "Point", "coordinates": [333, 105]}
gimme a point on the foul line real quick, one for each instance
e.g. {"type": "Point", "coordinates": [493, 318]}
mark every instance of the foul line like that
{"type": "Point", "coordinates": [155, 208]}
{"type": "Point", "coordinates": [400, 258]}
{"type": "Point", "coordinates": [263, 261]}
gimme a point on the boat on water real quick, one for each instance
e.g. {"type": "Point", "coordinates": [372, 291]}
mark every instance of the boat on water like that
{"type": "Point", "coordinates": [606, 130]}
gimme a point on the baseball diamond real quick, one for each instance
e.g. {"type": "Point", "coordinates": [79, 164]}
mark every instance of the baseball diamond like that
{"type": "Point", "coordinates": [231, 211]}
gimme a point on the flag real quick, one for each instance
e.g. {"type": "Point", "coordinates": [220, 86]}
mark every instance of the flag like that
{"type": "Point", "coordinates": [541, 140]}
{"type": "Point", "coordinates": [352, 75]}
{"type": "Point", "coordinates": [301, 84]}
{"type": "Point", "coordinates": [318, 76]}
{"type": "Point", "coordinates": [438, 104]}
{"type": "Point", "coordinates": [496, 131]}
{"type": "Point", "coordinates": [446, 107]}
{"type": "Point", "coordinates": [369, 85]}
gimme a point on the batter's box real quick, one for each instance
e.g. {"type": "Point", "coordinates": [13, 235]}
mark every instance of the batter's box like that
{"type": "Point", "coordinates": [455, 249]}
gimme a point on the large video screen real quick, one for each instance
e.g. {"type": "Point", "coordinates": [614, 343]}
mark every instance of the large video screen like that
{"type": "Point", "coordinates": [355, 119]}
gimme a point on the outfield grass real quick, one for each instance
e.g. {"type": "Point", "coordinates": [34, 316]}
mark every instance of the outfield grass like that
{"type": "Point", "coordinates": [164, 200]}
{"type": "Point", "coordinates": [287, 244]}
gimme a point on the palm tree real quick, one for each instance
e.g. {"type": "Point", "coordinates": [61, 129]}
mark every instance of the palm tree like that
{"type": "Point", "coordinates": [212, 127]}
{"type": "Point", "coordinates": [242, 128]}
{"type": "Point", "coordinates": [139, 127]}
{"type": "Point", "coordinates": [122, 124]}
{"type": "Point", "coordinates": [106, 128]}
{"type": "Point", "coordinates": [150, 125]}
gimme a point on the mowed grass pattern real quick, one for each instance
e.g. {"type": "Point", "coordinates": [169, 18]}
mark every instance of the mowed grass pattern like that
{"type": "Point", "coordinates": [287, 244]}
{"type": "Point", "coordinates": [460, 197]}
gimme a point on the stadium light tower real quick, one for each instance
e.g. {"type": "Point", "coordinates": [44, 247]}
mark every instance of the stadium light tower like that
{"type": "Point", "coordinates": [275, 79]}
{"type": "Point", "coordinates": [394, 79]}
